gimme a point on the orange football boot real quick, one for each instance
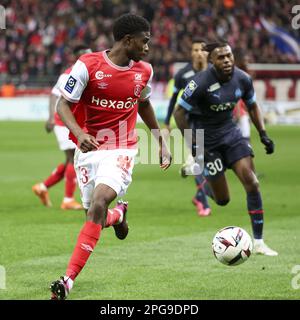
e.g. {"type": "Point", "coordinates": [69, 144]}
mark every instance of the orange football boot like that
{"type": "Point", "coordinates": [42, 193]}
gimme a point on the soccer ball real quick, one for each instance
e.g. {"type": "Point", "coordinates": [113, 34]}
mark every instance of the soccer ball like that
{"type": "Point", "coordinates": [232, 245]}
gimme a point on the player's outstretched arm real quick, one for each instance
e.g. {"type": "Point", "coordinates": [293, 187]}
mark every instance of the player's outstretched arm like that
{"type": "Point", "coordinates": [86, 142]}
{"type": "Point", "coordinates": [257, 119]}
{"type": "Point", "coordinates": [147, 114]}
{"type": "Point", "coordinates": [49, 125]}
{"type": "Point", "coordinates": [180, 118]}
{"type": "Point", "coordinates": [170, 110]}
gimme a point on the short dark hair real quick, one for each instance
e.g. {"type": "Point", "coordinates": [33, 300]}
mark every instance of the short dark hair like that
{"type": "Point", "coordinates": [210, 47]}
{"type": "Point", "coordinates": [80, 47]}
{"type": "Point", "coordinates": [129, 24]}
{"type": "Point", "coordinates": [199, 40]}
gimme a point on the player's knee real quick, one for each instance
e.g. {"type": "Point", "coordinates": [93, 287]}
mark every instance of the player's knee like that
{"type": "Point", "coordinates": [70, 159]}
{"type": "Point", "coordinates": [222, 202]}
{"type": "Point", "coordinates": [252, 185]}
{"type": "Point", "coordinates": [70, 156]}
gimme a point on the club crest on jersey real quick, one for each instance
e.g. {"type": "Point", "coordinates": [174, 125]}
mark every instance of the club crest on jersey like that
{"type": "Point", "coordinates": [190, 88]}
{"type": "Point", "coordinates": [100, 75]}
{"type": "Point", "coordinates": [137, 90]}
{"type": "Point", "coordinates": [238, 93]}
{"type": "Point", "coordinates": [138, 77]}
{"type": "Point", "coordinates": [70, 84]}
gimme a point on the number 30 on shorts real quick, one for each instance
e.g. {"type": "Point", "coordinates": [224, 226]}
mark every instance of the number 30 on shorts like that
{"type": "Point", "coordinates": [214, 167]}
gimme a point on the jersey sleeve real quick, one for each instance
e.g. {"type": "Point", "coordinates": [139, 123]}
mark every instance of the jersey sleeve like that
{"type": "Point", "coordinates": [146, 92]}
{"type": "Point", "coordinates": [177, 83]}
{"type": "Point", "coordinates": [55, 90]}
{"type": "Point", "coordinates": [190, 95]}
{"type": "Point", "coordinates": [249, 96]}
{"type": "Point", "coordinates": [74, 85]}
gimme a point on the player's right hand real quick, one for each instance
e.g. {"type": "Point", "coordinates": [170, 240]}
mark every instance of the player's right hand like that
{"type": "Point", "coordinates": [165, 158]}
{"type": "Point", "coordinates": [49, 125]}
{"type": "Point", "coordinates": [87, 143]}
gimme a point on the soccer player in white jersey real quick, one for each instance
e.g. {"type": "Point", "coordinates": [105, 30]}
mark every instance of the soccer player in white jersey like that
{"type": "Point", "coordinates": [111, 87]}
{"type": "Point", "coordinates": [63, 170]}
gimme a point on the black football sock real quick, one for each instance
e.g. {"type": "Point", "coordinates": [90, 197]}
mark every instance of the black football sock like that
{"type": "Point", "coordinates": [256, 211]}
{"type": "Point", "coordinates": [201, 192]}
{"type": "Point", "coordinates": [202, 183]}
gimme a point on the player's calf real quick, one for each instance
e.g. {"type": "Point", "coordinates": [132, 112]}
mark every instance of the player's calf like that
{"type": "Point", "coordinates": [98, 212]}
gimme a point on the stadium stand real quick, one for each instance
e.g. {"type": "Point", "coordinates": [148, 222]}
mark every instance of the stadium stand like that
{"type": "Point", "coordinates": [35, 46]}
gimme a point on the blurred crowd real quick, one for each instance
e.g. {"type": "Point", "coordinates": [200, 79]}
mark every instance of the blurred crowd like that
{"type": "Point", "coordinates": [39, 37]}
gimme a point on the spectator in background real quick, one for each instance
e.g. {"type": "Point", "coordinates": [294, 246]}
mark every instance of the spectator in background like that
{"type": "Point", "coordinates": [39, 32]}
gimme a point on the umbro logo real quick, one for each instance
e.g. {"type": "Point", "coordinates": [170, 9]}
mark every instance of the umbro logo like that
{"type": "Point", "coordinates": [102, 85]}
{"type": "Point", "coordinates": [86, 247]}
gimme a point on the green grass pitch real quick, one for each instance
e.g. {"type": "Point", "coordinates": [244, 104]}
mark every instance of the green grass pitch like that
{"type": "Point", "coordinates": [167, 254]}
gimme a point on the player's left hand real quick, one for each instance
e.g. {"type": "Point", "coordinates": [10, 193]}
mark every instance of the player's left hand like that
{"type": "Point", "coordinates": [165, 158]}
{"type": "Point", "coordinates": [269, 144]}
{"type": "Point", "coordinates": [49, 125]}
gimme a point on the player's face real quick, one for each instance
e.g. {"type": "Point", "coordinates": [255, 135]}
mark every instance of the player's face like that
{"type": "Point", "coordinates": [137, 46]}
{"type": "Point", "coordinates": [198, 54]}
{"type": "Point", "coordinates": [222, 59]}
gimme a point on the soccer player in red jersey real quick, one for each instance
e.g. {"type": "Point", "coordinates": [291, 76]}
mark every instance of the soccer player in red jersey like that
{"type": "Point", "coordinates": [111, 87]}
{"type": "Point", "coordinates": [63, 170]}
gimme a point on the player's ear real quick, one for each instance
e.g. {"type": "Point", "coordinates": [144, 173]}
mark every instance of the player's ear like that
{"type": "Point", "coordinates": [211, 57]}
{"type": "Point", "coordinates": [127, 40]}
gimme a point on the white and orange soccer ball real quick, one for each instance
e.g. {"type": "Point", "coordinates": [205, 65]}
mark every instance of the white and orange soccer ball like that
{"type": "Point", "coordinates": [232, 245]}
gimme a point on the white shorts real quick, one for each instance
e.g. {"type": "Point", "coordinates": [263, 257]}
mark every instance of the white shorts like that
{"type": "Point", "coordinates": [62, 136]}
{"type": "Point", "coordinates": [110, 167]}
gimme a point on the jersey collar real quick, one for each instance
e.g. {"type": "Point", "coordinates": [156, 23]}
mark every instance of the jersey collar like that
{"type": "Point", "coordinates": [106, 58]}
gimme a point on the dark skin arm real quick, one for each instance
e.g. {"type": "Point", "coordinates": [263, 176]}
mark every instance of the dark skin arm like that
{"type": "Point", "coordinates": [257, 119]}
{"type": "Point", "coordinates": [183, 126]}
{"type": "Point", "coordinates": [86, 142]}
{"type": "Point", "coordinates": [171, 109]}
{"type": "Point", "coordinates": [49, 125]}
{"type": "Point", "coordinates": [180, 119]}
{"type": "Point", "coordinates": [146, 112]}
